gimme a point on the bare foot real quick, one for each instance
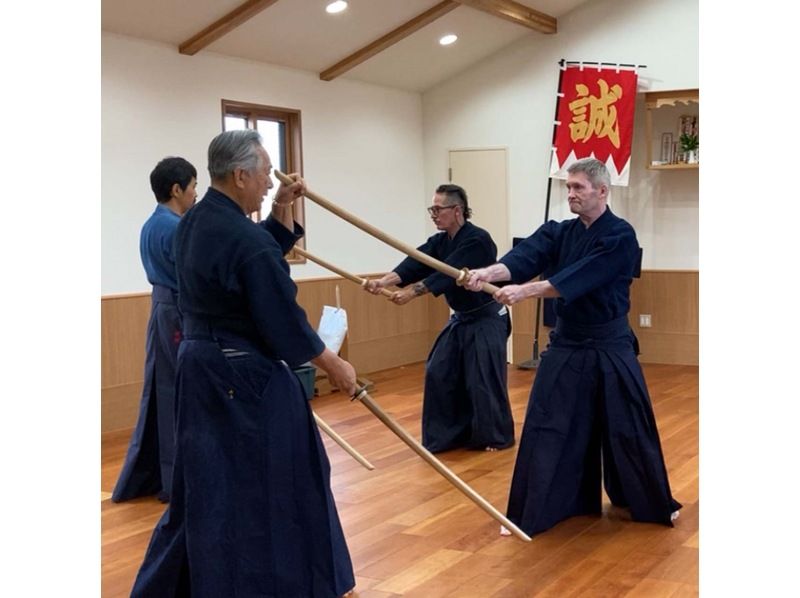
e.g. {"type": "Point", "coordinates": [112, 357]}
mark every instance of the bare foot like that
{"type": "Point", "coordinates": [491, 449]}
{"type": "Point", "coordinates": [674, 515]}
{"type": "Point", "coordinates": [504, 531]}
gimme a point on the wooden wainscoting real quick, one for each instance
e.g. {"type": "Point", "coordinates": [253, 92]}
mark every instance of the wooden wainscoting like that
{"type": "Point", "coordinates": [381, 335]}
{"type": "Point", "coordinates": [522, 317]}
{"type": "Point", "coordinates": [123, 328]}
{"type": "Point", "coordinates": [671, 297]}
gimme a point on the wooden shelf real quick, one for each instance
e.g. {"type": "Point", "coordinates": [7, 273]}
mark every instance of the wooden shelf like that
{"type": "Point", "coordinates": [679, 166]}
{"type": "Point", "coordinates": [669, 100]}
{"type": "Point", "coordinates": [656, 99]}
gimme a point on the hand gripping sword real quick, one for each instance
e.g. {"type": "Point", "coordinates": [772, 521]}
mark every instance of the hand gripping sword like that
{"type": "Point", "coordinates": [343, 273]}
{"type": "Point", "coordinates": [459, 275]}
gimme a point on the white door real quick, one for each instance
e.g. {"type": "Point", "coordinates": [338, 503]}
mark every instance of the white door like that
{"type": "Point", "coordinates": [482, 174]}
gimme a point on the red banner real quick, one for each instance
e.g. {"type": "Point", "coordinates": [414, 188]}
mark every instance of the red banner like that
{"type": "Point", "coordinates": [595, 119]}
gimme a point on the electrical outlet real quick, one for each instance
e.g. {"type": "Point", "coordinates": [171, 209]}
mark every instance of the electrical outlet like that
{"type": "Point", "coordinates": [644, 321]}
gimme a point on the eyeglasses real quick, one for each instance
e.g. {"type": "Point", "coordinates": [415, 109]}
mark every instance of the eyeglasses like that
{"type": "Point", "coordinates": [434, 210]}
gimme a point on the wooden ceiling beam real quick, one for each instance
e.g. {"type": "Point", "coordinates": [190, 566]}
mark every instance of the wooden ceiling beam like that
{"type": "Point", "coordinates": [387, 40]}
{"type": "Point", "coordinates": [516, 13]}
{"type": "Point", "coordinates": [224, 25]}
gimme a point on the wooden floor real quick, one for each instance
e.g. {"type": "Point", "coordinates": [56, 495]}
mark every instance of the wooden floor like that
{"type": "Point", "coordinates": [411, 534]}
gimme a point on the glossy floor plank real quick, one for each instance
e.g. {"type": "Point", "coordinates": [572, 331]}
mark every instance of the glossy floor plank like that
{"type": "Point", "coordinates": [411, 534]}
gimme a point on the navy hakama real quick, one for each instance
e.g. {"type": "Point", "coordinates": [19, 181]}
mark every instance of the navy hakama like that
{"type": "Point", "coordinates": [148, 463]}
{"type": "Point", "coordinates": [589, 416]}
{"type": "Point", "coordinates": [252, 513]}
{"type": "Point", "coordinates": [462, 406]}
{"type": "Point", "coordinates": [589, 398]}
{"type": "Point", "coordinates": [465, 401]}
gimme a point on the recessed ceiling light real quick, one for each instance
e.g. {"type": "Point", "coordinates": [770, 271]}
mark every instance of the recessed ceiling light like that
{"type": "Point", "coordinates": [448, 39]}
{"type": "Point", "coordinates": [335, 7]}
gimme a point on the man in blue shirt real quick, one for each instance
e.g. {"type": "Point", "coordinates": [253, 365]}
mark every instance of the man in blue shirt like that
{"type": "Point", "coordinates": [148, 463]}
{"type": "Point", "coordinates": [589, 403]}
{"type": "Point", "coordinates": [465, 401]}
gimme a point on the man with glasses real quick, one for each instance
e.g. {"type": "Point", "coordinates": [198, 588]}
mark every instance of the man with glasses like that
{"type": "Point", "coordinates": [465, 401]}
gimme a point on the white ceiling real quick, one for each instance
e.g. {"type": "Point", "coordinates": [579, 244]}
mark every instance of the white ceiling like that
{"type": "Point", "coordinates": [300, 34]}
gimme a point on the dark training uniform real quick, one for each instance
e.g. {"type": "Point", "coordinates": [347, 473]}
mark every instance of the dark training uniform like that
{"type": "Point", "coordinates": [252, 512]}
{"type": "Point", "coordinates": [589, 390]}
{"type": "Point", "coordinates": [148, 462]}
{"type": "Point", "coordinates": [465, 401]}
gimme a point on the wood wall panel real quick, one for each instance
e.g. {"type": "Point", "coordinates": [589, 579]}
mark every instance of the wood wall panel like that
{"type": "Point", "coordinates": [123, 327]}
{"type": "Point", "coordinates": [522, 317]}
{"type": "Point", "coordinates": [383, 335]}
{"type": "Point", "coordinates": [369, 317]}
{"type": "Point", "coordinates": [671, 297]}
{"type": "Point", "coordinates": [120, 406]}
{"type": "Point", "coordinates": [389, 352]}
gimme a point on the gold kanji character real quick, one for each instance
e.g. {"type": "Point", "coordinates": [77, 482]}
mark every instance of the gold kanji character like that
{"type": "Point", "coordinates": [601, 119]}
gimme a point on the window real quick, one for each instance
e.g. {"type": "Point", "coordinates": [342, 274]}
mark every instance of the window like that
{"type": "Point", "coordinates": [280, 132]}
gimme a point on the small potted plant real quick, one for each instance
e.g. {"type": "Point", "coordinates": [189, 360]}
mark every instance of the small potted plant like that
{"type": "Point", "coordinates": [689, 144]}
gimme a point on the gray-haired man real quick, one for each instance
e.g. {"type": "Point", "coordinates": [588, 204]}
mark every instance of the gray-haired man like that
{"type": "Point", "coordinates": [589, 399]}
{"type": "Point", "coordinates": [252, 511]}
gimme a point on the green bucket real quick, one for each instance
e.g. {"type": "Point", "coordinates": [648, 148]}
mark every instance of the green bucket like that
{"type": "Point", "coordinates": [306, 374]}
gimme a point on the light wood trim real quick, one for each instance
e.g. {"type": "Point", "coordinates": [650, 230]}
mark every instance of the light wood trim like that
{"type": "Point", "coordinates": [392, 351]}
{"type": "Point", "coordinates": [328, 277]}
{"type": "Point", "coordinates": [293, 150]}
{"type": "Point", "coordinates": [671, 297]}
{"type": "Point", "coordinates": [381, 335]}
{"type": "Point", "coordinates": [391, 38]}
{"type": "Point", "coordinates": [125, 295]}
{"type": "Point", "coordinates": [648, 138]}
{"type": "Point", "coordinates": [679, 166]}
{"type": "Point", "coordinates": [671, 271]}
{"type": "Point", "coordinates": [223, 25]}
{"type": "Point", "coordinates": [119, 406]}
{"type": "Point", "coordinates": [515, 13]}
{"type": "Point", "coordinates": [522, 317]}
{"type": "Point", "coordinates": [123, 331]}
{"type": "Point", "coordinates": [667, 347]}
{"type": "Point", "coordinates": [657, 99]}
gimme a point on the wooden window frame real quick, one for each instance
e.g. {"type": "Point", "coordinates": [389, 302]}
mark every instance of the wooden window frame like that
{"type": "Point", "coordinates": [292, 150]}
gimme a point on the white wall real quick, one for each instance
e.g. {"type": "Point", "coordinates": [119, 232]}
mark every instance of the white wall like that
{"type": "Point", "coordinates": [509, 100]}
{"type": "Point", "coordinates": [362, 148]}
{"type": "Point", "coordinates": [379, 152]}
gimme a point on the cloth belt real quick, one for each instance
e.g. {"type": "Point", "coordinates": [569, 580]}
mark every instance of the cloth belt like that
{"type": "Point", "coordinates": [162, 294]}
{"type": "Point", "coordinates": [229, 334]}
{"type": "Point", "coordinates": [492, 307]}
{"type": "Point", "coordinates": [608, 330]}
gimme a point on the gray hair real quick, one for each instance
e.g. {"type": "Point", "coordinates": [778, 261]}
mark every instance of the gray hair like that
{"type": "Point", "coordinates": [595, 171]}
{"type": "Point", "coordinates": [231, 150]}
